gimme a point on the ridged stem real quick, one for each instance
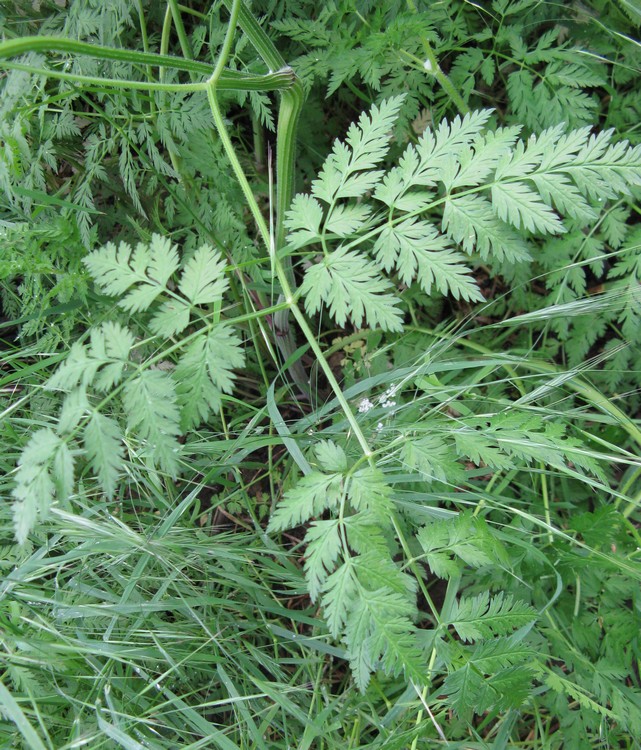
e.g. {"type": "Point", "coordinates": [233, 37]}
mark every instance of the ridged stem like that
{"type": "Point", "coordinates": [432, 68]}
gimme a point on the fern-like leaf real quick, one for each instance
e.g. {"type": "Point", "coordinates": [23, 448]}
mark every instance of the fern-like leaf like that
{"type": "Point", "coordinates": [367, 490]}
{"type": "Point", "coordinates": [205, 371]}
{"type": "Point", "coordinates": [331, 456]}
{"type": "Point", "coordinates": [103, 443]}
{"type": "Point", "coordinates": [323, 540]}
{"type": "Point", "coordinates": [150, 400]}
{"type": "Point", "coordinates": [379, 631]}
{"type": "Point", "coordinates": [45, 472]}
{"type": "Point", "coordinates": [471, 692]}
{"type": "Point", "coordinates": [102, 364]}
{"type": "Point", "coordinates": [351, 287]}
{"type": "Point", "coordinates": [463, 539]}
{"type": "Point", "coordinates": [346, 173]}
{"type": "Point", "coordinates": [140, 277]}
{"type": "Point", "coordinates": [313, 494]}
{"type": "Point", "coordinates": [418, 251]}
{"type": "Point", "coordinates": [483, 616]}
{"type": "Point", "coordinates": [338, 590]}
{"type": "Point", "coordinates": [203, 281]}
{"type": "Point", "coordinates": [137, 276]}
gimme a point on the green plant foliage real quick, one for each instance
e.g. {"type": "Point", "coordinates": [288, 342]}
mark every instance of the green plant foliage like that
{"type": "Point", "coordinates": [352, 465]}
{"type": "Point", "coordinates": [492, 186]}
{"type": "Point", "coordinates": [153, 403]}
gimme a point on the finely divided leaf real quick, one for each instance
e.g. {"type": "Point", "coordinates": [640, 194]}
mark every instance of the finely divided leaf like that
{"type": "Point", "coordinates": [471, 692]}
{"type": "Point", "coordinates": [367, 490]}
{"type": "Point", "coordinates": [379, 632]}
{"type": "Point", "coordinates": [344, 220]}
{"type": "Point", "coordinates": [303, 221]}
{"type": "Point", "coordinates": [103, 443]}
{"type": "Point", "coordinates": [501, 653]}
{"type": "Point", "coordinates": [432, 457]}
{"type": "Point", "coordinates": [476, 162]}
{"type": "Point", "coordinates": [438, 150]}
{"type": "Point", "coordinates": [205, 371]}
{"type": "Point", "coordinates": [149, 400]}
{"type": "Point", "coordinates": [516, 204]}
{"type": "Point", "coordinates": [142, 275]}
{"type": "Point", "coordinates": [417, 250]}
{"type": "Point", "coordinates": [353, 288]}
{"type": "Point", "coordinates": [471, 222]}
{"type": "Point", "coordinates": [331, 456]}
{"type": "Point", "coordinates": [147, 269]}
{"type": "Point", "coordinates": [346, 170]}
{"type": "Point", "coordinates": [203, 279]}
{"type": "Point", "coordinates": [323, 540]}
{"type": "Point", "coordinates": [481, 449]}
{"type": "Point", "coordinates": [375, 570]}
{"type": "Point", "coordinates": [75, 369]}
{"type": "Point", "coordinates": [45, 469]}
{"type": "Point", "coordinates": [483, 616]}
{"type": "Point", "coordinates": [171, 318]}
{"type": "Point", "coordinates": [73, 409]}
{"type": "Point", "coordinates": [313, 494]}
{"type": "Point", "coordinates": [101, 364]}
{"type": "Point", "coordinates": [111, 344]}
{"type": "Point", "coordinates": [338, 596]}
{"type": "Point", "coordinates": [448, 544]}
{"type": "Point", "coordinates": [365, 535]}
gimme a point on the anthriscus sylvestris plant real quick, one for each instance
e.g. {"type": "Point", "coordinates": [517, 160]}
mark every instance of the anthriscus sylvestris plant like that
{"type": "Point", "coordinates": [437, 501]}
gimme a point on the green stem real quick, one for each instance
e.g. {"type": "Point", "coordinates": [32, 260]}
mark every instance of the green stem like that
{"type": "Point", "coordinates": [259, 144]}
{"type": "Point", "coordinates": [288, 115]}
{"type": "Point", "coordinates": [432, 67]}
{"type": "Point", "coordinates": [21, 45]}
{"type": "Point", "coordinates": [631, 480]}
{"type": "Point", "coordinates": [228, 80]}
{"type": "Point", "coordinates": [102, 83]}
{"type": "Point", "coordinates": [236, 166]}
{"type": "Point", "coordinates": [165, 37]}
{"type": "Point", "coordinates": [227, 43]}
{"type": "Point", "coordinates": [212, 85]}
{"type": "Point", "coordinates": [324, 365]}
{"type": "Point", "coordinates": [145, 42]}
{"type": "Point", "coordinates": [185, 46]}
{"type": "Point", "coordinates": [263, 44]}
{"type": "Point", "coordinates": [546, 502]}
{"type": "Point", "coordinates": [239, 14]}
{"type": "Point", "coordinates": [411, 564]}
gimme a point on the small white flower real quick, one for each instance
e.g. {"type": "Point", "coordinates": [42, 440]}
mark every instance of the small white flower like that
{"type": "Point", "coordinates": [365, 405]}
{"type": "Point", "coordinates": [387, 399]}
{"type": "Point", "coordinates": [379, 427]}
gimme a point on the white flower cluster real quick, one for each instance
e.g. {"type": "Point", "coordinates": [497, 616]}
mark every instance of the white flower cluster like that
{"type": "Point", "coordinates": [364, 406]}
{"type": "Point", "coordinates": [387, 399]}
